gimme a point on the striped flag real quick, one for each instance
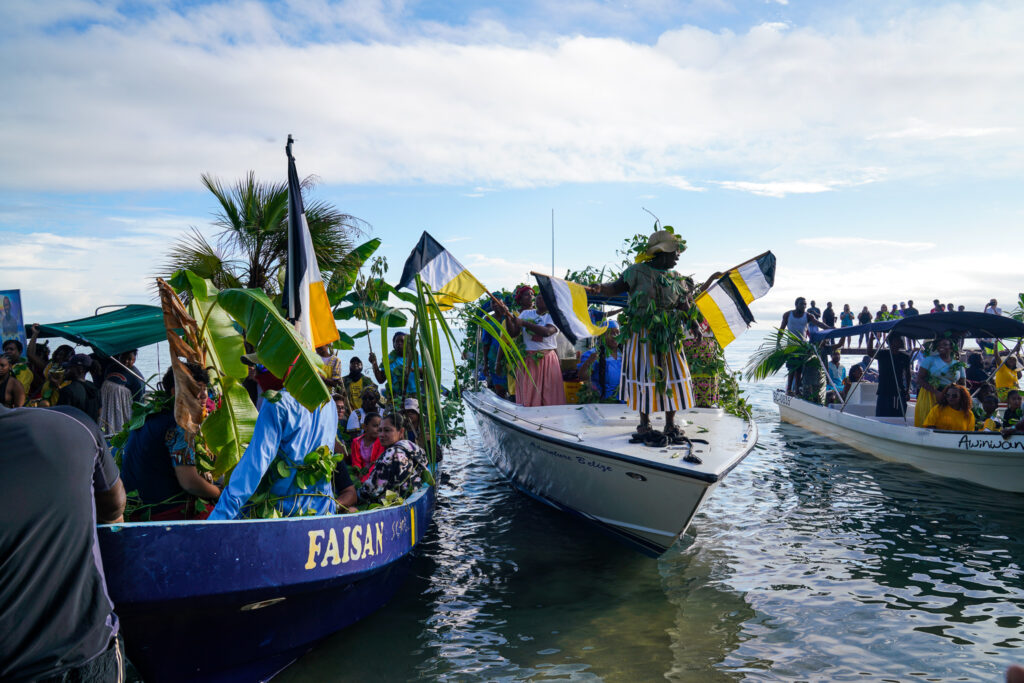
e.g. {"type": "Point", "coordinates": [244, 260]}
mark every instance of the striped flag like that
{"type": "Point", "coordinates": [305, 297]}
{"type": "Point", "coordinates": [441, 272]}
{"type": "Point", "coordinates": [724, 303]}
{"type": "Point", "coordinates": [567, 304]}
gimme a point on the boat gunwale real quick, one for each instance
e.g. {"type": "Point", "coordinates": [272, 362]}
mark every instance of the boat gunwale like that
{"type": "Point", "coordinates": [707, 477]}
{"type": "Point", "coordinates": [897, 429]}
{"type": "Point", "coordinates": [120, 527]}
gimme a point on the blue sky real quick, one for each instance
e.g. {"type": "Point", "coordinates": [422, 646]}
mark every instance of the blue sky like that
{"type": "Point", "coordinates": [874, 146]}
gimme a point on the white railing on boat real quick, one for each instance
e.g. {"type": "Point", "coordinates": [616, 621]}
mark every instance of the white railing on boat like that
{"type": "Point", "coordinates": [540, 426]}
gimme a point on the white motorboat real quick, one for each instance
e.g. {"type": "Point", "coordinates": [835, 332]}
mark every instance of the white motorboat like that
{"type": "Point", "coordinates": [984, 458]}
{"type": "Point", "coordinates": [578, 458]}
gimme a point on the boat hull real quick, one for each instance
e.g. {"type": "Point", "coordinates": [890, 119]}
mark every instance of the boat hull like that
{"type": "Point", "coordinates": [239, 601]}
{"type": "Point", "coordinates": [644, 504]}
{"type": "Point", "coordinates": [980, 458]}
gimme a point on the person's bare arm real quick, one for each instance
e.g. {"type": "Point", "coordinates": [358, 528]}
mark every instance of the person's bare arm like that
{"type": "Point", "coordinates": [707, 283]}
{"type": "Point", "coordinates": [378, 372]}
{"type": "Point", "coordinates": [539, 330]}
{"type": "Point", "coordinates": [189, 479]}
{"type": "Point", "coordinates": [34, 359]}
{"type": "Point", "coordinates": [819, 322]}
{"type": "Point", "coordinates": [348, 499]}
{"type": "Point", "coordinates": [608, 288]}
{"type": "Point", "coordinates": [585, 367]}
{"type": "Point", "coordinates": [785, 320]}
{"type": "Point", "coordinates": [17, 391]}
{"type": "Point", "coordinates": [110, 504]}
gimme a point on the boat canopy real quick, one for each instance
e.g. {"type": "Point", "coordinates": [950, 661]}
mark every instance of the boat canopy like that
{"type": "Point", "coordinates": [131, 327]}
{"type": "Point", "coordinates": [931, 325]}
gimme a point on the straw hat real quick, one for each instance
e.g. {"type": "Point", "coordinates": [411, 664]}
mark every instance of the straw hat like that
{"type": "Point", "coordinates": [664, 241]}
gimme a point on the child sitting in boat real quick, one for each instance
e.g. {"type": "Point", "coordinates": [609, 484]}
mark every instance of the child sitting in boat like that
{"type": "Point", "coordinates": [400, 468]}
{"type": "Point", "coordinates": [1012, 423]}
{"type": "Point", "coordinates": [952, 412]}
{"type": "Point", "coordinates": [987, 419]}
{"type": "Point", "coordinates": [366, 448]}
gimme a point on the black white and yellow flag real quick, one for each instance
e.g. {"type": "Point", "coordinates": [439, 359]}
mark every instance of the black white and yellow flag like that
{"type": "Point", "coordinates": [724, 303]}
{"type": "Point", "coordinates": [440, 271]}
{"type": "Point", "coordinates": [567, 304]}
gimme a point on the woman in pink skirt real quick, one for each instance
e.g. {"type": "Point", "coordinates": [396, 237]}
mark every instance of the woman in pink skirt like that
{"type": "Point", "coordinates": [542, 384]}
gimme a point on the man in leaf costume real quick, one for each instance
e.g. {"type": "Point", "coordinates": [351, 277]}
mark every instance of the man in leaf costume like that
{"type": "Point", "coordinates": [655, 375]}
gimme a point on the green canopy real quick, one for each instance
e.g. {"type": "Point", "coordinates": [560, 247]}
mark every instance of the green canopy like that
{"type": "Point", "coordinates": [131, 327]}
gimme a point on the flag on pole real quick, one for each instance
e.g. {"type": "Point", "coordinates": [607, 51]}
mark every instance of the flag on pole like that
{"type": "Point", "coordinates": [567, 304]}
{"type": "Point", "coordinates": [441, 272]}
{"type": "Point", "coordinates": [724, 303]}
{"type": "Point", "coordinates": [305, 297]}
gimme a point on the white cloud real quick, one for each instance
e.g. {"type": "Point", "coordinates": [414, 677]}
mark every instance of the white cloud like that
{"type": "Point", "coordinates": [152, 102]}
{"type": "Point", "coordinates": [862, 242]}
{"type": "Point", "coordinates": [498, 272]}
{"type": "Point", "coordinates": [68, 276]}
{"type": "Point", "coordinates": [778, 189]}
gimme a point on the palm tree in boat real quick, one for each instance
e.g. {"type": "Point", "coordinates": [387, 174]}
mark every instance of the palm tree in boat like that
{"type": "Point", "coordinates": [252, 246]}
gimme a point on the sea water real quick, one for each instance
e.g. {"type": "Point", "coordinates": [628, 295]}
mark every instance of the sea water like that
{"type": "Point", "coordinates": [811, 561]}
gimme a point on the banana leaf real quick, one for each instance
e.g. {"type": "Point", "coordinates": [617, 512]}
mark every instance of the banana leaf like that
{"type": "Point", "coordinates": [224, 346]}
{"type": "Point", "coordinates": [229, 430]}
{"type": "Point", "coordinates": [372, 311]}
{"type": "Point", "coordinates": [277, 345]}
{"type": "Point", "coordinates": [345, 274]}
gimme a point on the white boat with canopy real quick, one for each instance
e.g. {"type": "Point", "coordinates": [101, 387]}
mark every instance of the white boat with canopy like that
{"type": "Point", "coordinates": [578, 458]}
{"type": "Point", "coordinates": [984, 458]}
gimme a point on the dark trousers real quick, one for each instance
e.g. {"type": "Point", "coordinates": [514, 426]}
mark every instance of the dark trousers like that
{"type": "Point", "coordinates": [890, 406]}
{"type": "Point", "coordinates": [107, 668]}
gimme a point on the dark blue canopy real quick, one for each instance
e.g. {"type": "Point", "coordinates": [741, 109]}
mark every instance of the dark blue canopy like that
{"type": "Point", "coordinates": [931, 325]}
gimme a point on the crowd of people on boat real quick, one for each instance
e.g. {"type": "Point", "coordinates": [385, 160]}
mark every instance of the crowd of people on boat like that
{"type": "Point", "coordinates": [950, 393]}
{"type": "Point", "coordinates": [378, 438]}
{"type": "Point", "coordinates": [61, 479]}
{"type": "Point", "coordinates": [551, 362]}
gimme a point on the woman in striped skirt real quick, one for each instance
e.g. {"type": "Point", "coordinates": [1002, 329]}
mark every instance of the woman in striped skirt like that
{"type": "Point", "coordinates": [655, 376]}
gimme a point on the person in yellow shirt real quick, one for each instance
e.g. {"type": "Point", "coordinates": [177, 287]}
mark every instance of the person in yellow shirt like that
{"type": "Point", "coordinates": [1006, 378]}
{"type": "Point", "coordinates": [987, 419]}
{"type": "Point", "coordinates": [953, 412]}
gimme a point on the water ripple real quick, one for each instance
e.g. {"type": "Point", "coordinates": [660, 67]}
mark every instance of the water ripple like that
{"type": "Point", "coordinates": [810, 562]}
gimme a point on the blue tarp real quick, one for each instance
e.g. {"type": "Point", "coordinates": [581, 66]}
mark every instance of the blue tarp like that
{"type": "Point", "coordinates": [969, 325]}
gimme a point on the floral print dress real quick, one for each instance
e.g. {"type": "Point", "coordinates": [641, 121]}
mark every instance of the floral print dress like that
{"type": "Point", "coordinates": [399, 469]}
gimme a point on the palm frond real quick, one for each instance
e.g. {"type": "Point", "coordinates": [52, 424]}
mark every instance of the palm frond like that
{"type": "Point", "coordinates": [776, 352]}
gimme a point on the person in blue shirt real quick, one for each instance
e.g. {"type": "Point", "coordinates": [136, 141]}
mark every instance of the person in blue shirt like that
{"type": "Point", "coordinates": [286, 430]}
{"type": "Point", "coordinates": [601, 366]}
{"type": "Point", "coordinates": [836, 372]}
{"type": "Point", "coordinates": [397, 365]}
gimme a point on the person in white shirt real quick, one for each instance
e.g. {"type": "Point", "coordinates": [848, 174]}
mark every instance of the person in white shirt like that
{"type": "Point", "coordinates": [990, 344]}
{"type": "Point", "coordinates": [540, 382]}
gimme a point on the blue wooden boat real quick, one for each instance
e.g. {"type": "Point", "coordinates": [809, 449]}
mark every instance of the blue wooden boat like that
{"type": "Point", "coordinates": [241, 600]}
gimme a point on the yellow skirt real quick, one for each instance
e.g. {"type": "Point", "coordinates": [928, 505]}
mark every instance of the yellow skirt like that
{"type": "Point", "coordinates": [925, 402]}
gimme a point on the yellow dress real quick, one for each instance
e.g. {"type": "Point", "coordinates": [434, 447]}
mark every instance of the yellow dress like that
{"type": "Point", "coordinates": [944, 417]}
{"type": "Point", "coordinates": [1006, 379]}
{"type": "Point", "coordinates": [923, 407]}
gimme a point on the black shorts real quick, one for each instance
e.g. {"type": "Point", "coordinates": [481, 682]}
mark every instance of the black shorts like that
{"type": "Point", "coordinates": [107, 668]}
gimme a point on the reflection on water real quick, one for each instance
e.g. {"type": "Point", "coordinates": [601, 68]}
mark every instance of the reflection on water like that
{"type": "Point", "coordinates": [810, 562]}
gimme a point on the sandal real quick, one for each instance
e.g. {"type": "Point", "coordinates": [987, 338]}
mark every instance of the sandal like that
{"type": "Point", "coordinates": [676, 436]}
{"type": "Point", "coordinates": [640, 434]}
{"type": "Point", "coordinates": [655, 439]}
